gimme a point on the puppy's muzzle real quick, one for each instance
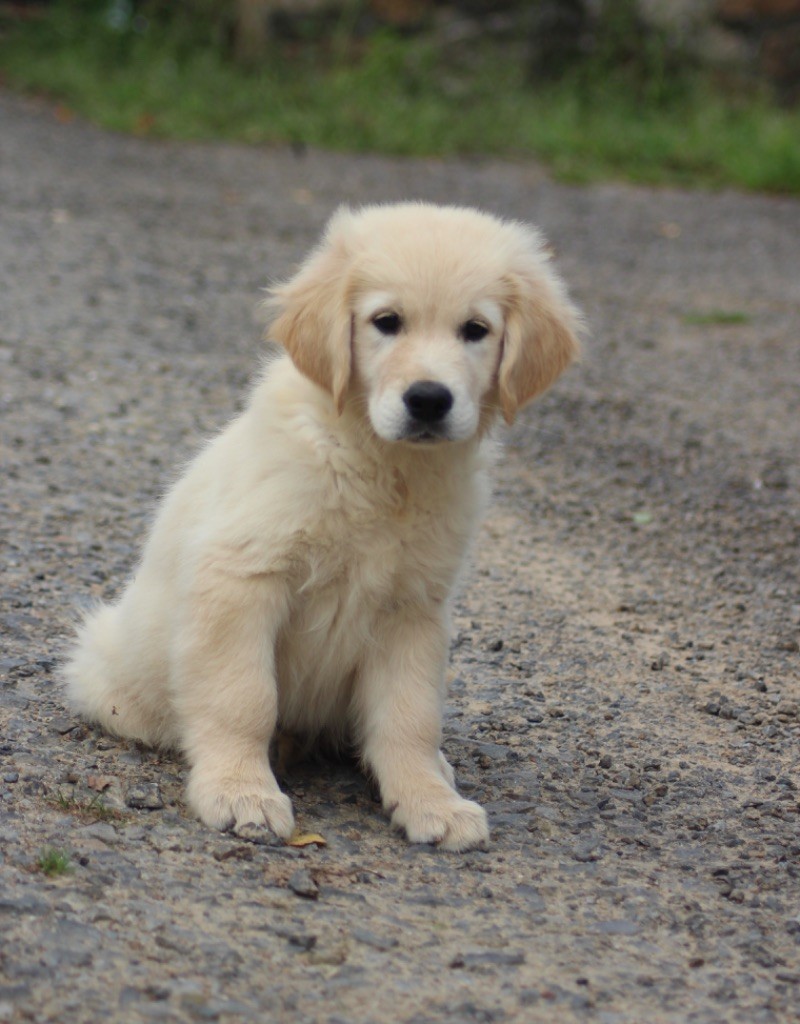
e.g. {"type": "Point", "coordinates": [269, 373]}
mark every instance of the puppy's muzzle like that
{"type": "Point", "coordinates": [428, 403]}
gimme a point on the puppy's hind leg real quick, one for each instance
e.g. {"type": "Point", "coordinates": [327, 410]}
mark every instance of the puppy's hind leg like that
{"type": "Point", "coordinates": [226, 697]}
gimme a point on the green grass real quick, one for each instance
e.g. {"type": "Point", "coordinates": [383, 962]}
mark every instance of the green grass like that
{"type": "Point", "coordinates": [92, 809]}
{"type": "Point", "coordinates": [716, 318]}
{"type": "Point", "coordinates": [402, 95]}
{"type": "Point", "coordinates": [53, 862]}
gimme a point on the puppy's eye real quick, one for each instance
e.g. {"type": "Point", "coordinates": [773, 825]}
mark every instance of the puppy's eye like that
{"type": "Point", "coordinates": [473, 330]}
{"type": "Point", "coordinates": [388, 323]}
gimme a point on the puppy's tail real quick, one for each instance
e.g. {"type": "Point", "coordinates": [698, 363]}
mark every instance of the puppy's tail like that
{"type": "Point", "coordinates": [103, 684]}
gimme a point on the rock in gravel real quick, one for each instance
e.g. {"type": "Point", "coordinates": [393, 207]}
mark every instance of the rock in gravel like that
{"type": "Point", "coordinates": [617, 927]}
{"type": "Point", "coordinates": [62, 725]}
{"type": "Point", "coordinates": [302, 940]}
{"type": "Point", "coordinates": [488, 960]}
{"type": "Point", "coordinates": [588, 851]}
{"type": "Point", "coordinates": [302, 884]}
{"type": "Point", "coordinates": [102, 831]}
{"type": "Point", "coordinates": [25, 904]}
{"type": "Point", "coordinates": [380, 942]}
{"type": "Point", "coordinates": [237, 852]}
{"type": "Point", "coordinates": [145, 796]}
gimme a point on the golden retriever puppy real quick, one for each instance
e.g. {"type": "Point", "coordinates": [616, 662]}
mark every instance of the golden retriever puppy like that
{"type": "Point", "coordinates": [300, 574]}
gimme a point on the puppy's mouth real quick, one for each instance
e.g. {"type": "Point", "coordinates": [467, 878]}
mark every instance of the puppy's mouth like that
{"type": "Point", "coordinates": [425, 434]}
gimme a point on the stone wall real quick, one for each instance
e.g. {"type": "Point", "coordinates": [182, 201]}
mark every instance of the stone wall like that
{"type": "Point", "coordinates": [759, 38]}
{"type": "Point", "coordinates": [771, 31]}
{"type": "Point", "coordinates": [756, 37]}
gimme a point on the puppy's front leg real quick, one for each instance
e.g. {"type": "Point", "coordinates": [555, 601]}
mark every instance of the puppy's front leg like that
{"type": "Point", "coordinates": [401, 693]}
{"type": "Point", "coordinates": [226, 698]}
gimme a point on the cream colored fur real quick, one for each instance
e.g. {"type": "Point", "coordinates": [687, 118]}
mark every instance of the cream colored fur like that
{"type": "Point", "coordinates": [300, 573]}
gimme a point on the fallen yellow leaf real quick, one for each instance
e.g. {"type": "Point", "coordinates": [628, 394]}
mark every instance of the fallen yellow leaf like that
{"type": "Point", "coordinates": [306, 839]}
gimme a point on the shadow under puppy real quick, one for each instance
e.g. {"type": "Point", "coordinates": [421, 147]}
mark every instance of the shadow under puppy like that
{"type": "Point", "coordinates": [300, 574]}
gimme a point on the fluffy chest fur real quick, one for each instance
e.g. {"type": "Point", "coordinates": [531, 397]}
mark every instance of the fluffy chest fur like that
{"type": "Point", "coordinates": [359, 530]}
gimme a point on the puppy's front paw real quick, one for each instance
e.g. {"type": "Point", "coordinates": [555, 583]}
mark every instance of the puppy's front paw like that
{"type": "Point", "coordinates": [449, 821]}
{"type": "Point", "coordinates": [225, 803]}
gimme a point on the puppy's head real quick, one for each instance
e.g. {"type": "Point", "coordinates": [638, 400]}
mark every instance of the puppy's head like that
{"type": "Point", "coordinates": [434, 317]}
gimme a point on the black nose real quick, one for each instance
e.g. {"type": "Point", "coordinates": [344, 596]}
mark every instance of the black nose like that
{"type": "Point", "coordinates": [428, 401]}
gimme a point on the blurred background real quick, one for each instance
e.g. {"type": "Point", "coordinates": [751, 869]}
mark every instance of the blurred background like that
{"type": "Point", "coordinates": [686, 92]}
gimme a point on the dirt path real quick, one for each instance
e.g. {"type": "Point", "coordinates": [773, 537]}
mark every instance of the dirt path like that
{"type": "Point", "coordinates": [626, 677]}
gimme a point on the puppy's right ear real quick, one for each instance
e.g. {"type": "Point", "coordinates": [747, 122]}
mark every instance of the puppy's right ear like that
{"type": "Point", "coordinates": [314, 322]}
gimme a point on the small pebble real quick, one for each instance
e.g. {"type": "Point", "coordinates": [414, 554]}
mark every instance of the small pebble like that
{"type": "Point", "coordinates": [302, 884]}
{"type": "Point", "coordinates": [146, 796]}
{"type": "Point", "coordinates": [488, 959]}
{"type": "Point", "coordinates": [383, 943]}
{"type": "Point", "coordinates": [63, 725]}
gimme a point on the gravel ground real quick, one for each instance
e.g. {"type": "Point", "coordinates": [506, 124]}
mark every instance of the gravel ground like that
{"type": "Point", "coordinates": [626, 693]}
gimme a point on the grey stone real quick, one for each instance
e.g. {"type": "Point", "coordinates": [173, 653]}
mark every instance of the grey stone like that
{"type": "Point", "coordinates": [63, 725]}
{"type": "Point", "coordinates": [103, 831]}
{"type": "Point", "coordinates": [487, 960]}
{"type": "Point", "coordinates": [588, 850]}
{"type": "Point", "coordinates": [145, 795]}
{"type": "Point", "coordinates": [300, 939]}
{"type": "Point", "coordinates": [617, 927]}
{"type": "Point", "coordinates": [302, 884]}
{"type": "Point", "coordinates": [24, 904]}
{"type": "Point", "coordinates": [380, 942]}
{"type": "Point", "coordinates": [11, 993]}
{"type": "Point", "coordinates": [530, 896]}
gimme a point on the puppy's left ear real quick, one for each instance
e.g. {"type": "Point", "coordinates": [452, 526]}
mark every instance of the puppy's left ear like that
{"type": "Point", "coordinates": [541, 332]}
{"type": "Point", "coordinates": [314, 322]}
